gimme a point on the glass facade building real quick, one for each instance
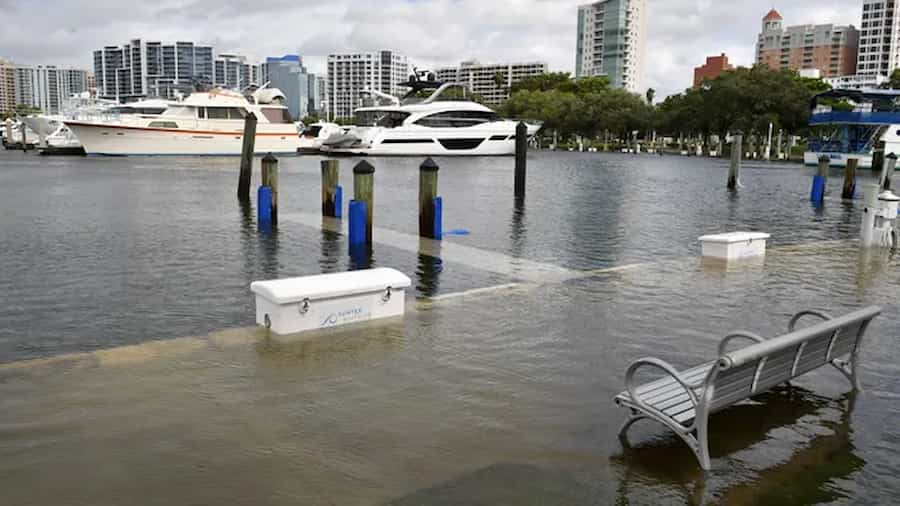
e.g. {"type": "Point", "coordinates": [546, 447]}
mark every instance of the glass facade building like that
{"type": "Point", "coordinates": [611, 37]}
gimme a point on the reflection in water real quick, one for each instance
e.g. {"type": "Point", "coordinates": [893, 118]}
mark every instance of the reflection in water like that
{"type": "Point", "coordinates": [268, 247]}
{"type": "Point", "coordinates": [518, 230]}
{"type": "Point", "coordinates": [361, 257]}
{"type": "Point", "coordinates": [429, 273]}
{"type": "Point", "coordinates": [666, 460]}
{"type": "Point", "coordinates": [331, 252]}
{"type": "Point", "coordinates": [331, 345]}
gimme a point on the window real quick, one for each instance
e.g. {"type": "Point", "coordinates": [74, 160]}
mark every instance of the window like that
{"type": "Point", "coordinates": [457, 119]}
{"type": "Point", "coordinates": [163, 124]}
{"type": "Point", "coordinates": [276, 115]}
{"type": "Point", "coordinates": [224, 113]}
{"type": "Point", "coordinates": [392, 119]}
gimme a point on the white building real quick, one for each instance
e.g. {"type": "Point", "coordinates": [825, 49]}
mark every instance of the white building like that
{"type": "Point", "coordinates": [492, 81]}
{"type": "Point", "coordinates": [231, 71]}
{"type": "Point", "coordinates": [350, 73]}
{"type": "Point", "coordinates": [611, 42]}
{"type": "Point", "coordinates": [47, 87]}
{"type": "Point", "coordinates": [7, 87]}
{"type": "Point", "coordinates": [879, 41]}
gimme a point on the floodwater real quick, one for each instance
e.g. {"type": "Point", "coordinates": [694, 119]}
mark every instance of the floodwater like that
{"type": "Point", "coordinates": [131, 373]}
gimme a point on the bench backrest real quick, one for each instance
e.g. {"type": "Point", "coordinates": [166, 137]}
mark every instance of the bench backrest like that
{"type": "Point", "coordinates": [757, 368]}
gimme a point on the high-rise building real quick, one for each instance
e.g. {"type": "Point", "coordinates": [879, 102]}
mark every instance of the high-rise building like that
{"type": "Point", "coordinates": [879, 42]}
{"type": "Point", "coordinates": [321, 96]}
{"type": "Point", "coordinates": [492, 81]}
{"type": "Point", "coordinates": [829, 48]}
{"type": "Point", "coordinates": [47, 87]}
{"type": "Point", "coordinates": [288, 74]}
{"type": "Point", "coordinates": [233, 72]}
{"type": "Point", "coordinates": [7, 87]}
{"type": "Point", "coordinates": [141, 69]}
{"type": "Point", "coordinates": [713, 68]}
{"type": "Point", "coordinates": [611, 42]}
{"type": "Point", "coordinates": [351, 73]}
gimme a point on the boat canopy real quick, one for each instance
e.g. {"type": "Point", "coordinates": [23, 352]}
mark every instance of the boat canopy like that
{"type": "Point", "coordinates": [860, 107]}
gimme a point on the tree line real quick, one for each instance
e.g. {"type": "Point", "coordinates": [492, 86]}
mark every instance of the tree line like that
{"type": "Point", "coordinates": [746, 99]}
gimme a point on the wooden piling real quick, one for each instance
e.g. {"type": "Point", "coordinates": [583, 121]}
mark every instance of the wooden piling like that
{"type": "Point", "coordinates": [247, 150]}
{"type": "Point", "coordinates": [364, 191]}
{"type": "Point", "coordinates": [330, 178]}
{"type": "Point", "coordinates": [428, 191]}
{"type": "Point", "coordinates": [521, 157]}
{"type": "Point", "coordinates": [890, 164]}
{"type": "Point", "coordinates": [878, 158]}
{"type": "Point", "coordinates": [734, 171]}
{"type": "Point", "coordinates": [850, 178]}
{"type": "Point", "coordinates": [270, 179]}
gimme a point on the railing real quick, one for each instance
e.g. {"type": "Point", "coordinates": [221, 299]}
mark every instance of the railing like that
{"type": "Point", "coordinates": [876, 118]}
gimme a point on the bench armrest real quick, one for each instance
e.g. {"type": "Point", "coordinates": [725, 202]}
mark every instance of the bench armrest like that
{"type": "Point", "coordinates": [666, 368]}
{"type": "Point", "coordinates": [808, 312]}
{"type": "Point", "coordinates": [740, 334]}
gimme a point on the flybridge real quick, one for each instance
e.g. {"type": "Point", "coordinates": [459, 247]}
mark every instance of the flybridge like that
{"type": "Point", "coordinates": [870, 107]}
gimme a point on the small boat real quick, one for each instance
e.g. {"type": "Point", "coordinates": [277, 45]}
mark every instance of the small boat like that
{"type": "Point", "coordinates": [204, 123]}
{"type": "Point", "coordinates": [62, 142]}
{"type": "Point", "coordinates": [851, 124]}
{"type": "Point", "coordinates": [312, 136]}
{"type": "Point", "coordinates": [428, 127]}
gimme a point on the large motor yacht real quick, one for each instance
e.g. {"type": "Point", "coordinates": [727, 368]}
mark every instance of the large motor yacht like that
{"type": "Point", "coordinates": [205, 123]}
{"type": "Point", "coordinates": [432, 126]}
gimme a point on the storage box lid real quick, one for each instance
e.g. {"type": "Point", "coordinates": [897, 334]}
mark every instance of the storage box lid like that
{"type": "Point", "coordinates": [733, 237]}
{"type": "Point", "coordinates": [326, 286]}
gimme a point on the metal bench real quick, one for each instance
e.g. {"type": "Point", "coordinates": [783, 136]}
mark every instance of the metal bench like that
{"type": "Point", "coordinates": [683, 400]}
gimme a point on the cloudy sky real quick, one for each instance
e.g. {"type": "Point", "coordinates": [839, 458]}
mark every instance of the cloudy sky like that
{"type": "Point", "coordinates": [431, 32]}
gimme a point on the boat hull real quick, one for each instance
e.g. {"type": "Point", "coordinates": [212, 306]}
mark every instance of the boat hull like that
{"type": "Point", "coordinates": [119, 140]}
{"type": "Point", "coordinates": [838, 159]}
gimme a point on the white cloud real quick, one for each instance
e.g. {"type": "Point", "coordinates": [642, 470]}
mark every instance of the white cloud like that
{"type": "Point", "coordinates": [681, 33]}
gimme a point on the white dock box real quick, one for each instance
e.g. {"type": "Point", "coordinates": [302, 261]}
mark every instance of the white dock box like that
{"type": "Point", "coordinates": [288, 306]}
{"type": "Point", "coordinates": [734, 245]}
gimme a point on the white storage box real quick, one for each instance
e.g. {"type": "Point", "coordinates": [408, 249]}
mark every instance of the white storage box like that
{"type": "Point", "coordinates": [734, 245]}
{"type": "Point", "coordinates": [288, 306]}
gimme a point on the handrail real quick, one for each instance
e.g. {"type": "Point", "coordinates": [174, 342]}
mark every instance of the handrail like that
{"type": "Point", "coordinates": [738, 334]}
{"type": "Point", "coordinates": [668, 369]}
{"type": "Point", "coordinates": [808, 312]}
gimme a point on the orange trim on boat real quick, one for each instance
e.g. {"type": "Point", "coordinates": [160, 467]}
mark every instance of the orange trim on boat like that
{"type": "Point", "coordinates": [181, 130]}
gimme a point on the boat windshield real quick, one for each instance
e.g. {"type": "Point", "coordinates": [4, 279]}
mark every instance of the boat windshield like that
{"type": "Point", "coordinates": [311, 131]}
{"type": "Point", "coordinates": [386, 119]}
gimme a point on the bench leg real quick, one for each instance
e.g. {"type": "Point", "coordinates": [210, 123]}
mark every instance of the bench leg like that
{"type": "Point", "coordinates": [849, 370]}
{"type": "Point", "coordinates": [696, 440]}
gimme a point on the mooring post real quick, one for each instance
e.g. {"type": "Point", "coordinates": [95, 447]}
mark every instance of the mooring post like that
{"type": "Point", "coordinates": [878, 157]}
{"type": "Point", "coordinates": [870, 199]}
{"type": "Point", "coordinates": [332, 193]}
{"type": "Point", "coordinates": [270, 180]}
{"type": "Point", "coordinates": [850, 178]}
{"type": "Point", "coordinates": [357, 227]}
{"type": "Point", "coordinates": [521, 157]}
{"type": "Point", "coordinates": [264, 207]}
{"type": "Point", "coordinates": [817, 194]}
{"type": "Point", "coordinates": [24, 138]}
{"type": "Point", "coordinates": [364, 191]}
{"type": "Point", "coordinates": [249, 142]}
{"type": "Point", "coordinates": [734, 171]}
{"type": "Point", "coordinates": [890, 164]}
{"type": "Point", "coordinates": [429, 202]}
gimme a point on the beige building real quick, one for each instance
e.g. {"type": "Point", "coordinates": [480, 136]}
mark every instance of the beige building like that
{"type": "Point", "coordinates": [492, 81]}
{"type": "Point", "coordinates": [7, 87]}
{"type": "Point", "coordinates": [830, 49]}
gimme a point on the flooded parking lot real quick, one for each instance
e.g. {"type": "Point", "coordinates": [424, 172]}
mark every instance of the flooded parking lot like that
{"type": "Point", "coordinates": [130, 370]}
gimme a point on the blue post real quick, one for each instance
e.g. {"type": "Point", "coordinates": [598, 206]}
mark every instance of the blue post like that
{"type": "Point", "coordinates": [263, 206]}
{"type": "Point", "coordinates": [357, 226]}
{"type": "Point", "coordinates": [438, 217]}
{"type": "Point", "coordinates": [338, 201]}
{"type": "Point", "coordinates": [817, 194]}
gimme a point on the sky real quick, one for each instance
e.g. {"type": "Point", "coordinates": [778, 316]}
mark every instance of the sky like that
{"type": "Point", "coordinates": [432, 33]}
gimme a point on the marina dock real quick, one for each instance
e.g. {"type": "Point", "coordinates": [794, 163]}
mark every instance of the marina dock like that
{"type": "Point", "coordinates": [131, 369]}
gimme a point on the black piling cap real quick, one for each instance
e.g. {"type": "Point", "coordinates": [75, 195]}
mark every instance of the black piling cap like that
{"type": "Point", "coordinates": [269, 158]}
{"type": "Point", "coordinates": [892, 156]}
{"type": "Point", "coordinates": [428, 165]}
{"type": "Point", "coordinates": [364, 167]}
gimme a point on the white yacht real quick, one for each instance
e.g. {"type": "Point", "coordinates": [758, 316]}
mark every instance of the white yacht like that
{"type": "Point", "coordinates": [205, 123]}
{"type": "Point", "coordinates": [430, 127]}
{"type": "Point", "coordinates": [312, 136]}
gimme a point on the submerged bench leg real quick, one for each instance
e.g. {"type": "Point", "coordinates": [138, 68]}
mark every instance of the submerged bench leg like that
{"type": "Point", "coordinates": [696, 439]}
{"type": "Point", "coordinates": [848, 369]}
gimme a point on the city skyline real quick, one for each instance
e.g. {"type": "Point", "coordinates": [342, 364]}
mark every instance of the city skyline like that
{"type": "Point", "coordinates": [681, 33]}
